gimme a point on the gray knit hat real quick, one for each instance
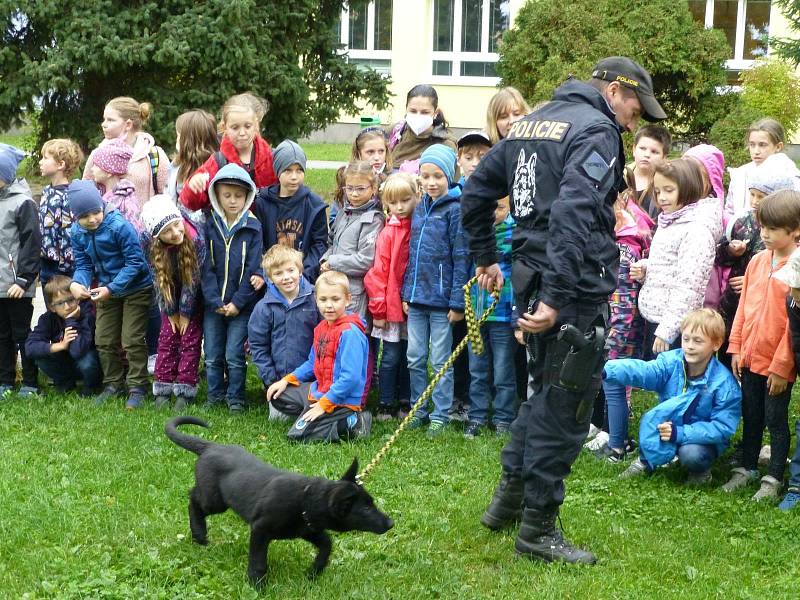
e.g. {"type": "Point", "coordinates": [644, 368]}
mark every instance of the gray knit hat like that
{"type": "Point", "coordinates": [287, 154]}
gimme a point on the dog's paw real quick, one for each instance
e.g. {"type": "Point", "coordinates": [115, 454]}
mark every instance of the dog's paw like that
{"type": "Point", "coordinates": [203, 541]}
{"type": "Point", "coordinates": [257, 580]}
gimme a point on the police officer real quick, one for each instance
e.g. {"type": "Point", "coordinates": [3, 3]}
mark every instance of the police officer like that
{"type": "Point", "coordinates": [562, 167]}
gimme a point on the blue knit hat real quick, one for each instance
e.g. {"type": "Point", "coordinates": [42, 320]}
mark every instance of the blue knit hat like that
{"type": "Point", "coordinates": [443, 157]}
{"type": "Point", "coordinates": [83, 197]}
{"type": "Point", "coordinates": [769, 181]}
{"type": "Point", "coordinates": [10, 157]}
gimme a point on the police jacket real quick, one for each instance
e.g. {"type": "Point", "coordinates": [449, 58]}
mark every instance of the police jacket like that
{"type": "Point", "coordinates": [562, 167]}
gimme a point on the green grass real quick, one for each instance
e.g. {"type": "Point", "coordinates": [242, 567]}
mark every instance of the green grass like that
{"type": "Point", "coordinates": [325, 151]}
{"type": "Point", "coordinates": [95, 506]}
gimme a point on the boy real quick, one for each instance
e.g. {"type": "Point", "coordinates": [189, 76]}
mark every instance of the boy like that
{"type": "Point", "coordinates": [760, 346]}
{"type": "Point", "coordinates": [60, 158]}
{"type": "Point", "coordinates": [699, 401]}
{"type": "Point", "coordinates": [295, 214]}
{"type": "Point", "coordinates": [231, 266]}
{"type": "Point", "coordinates": [325, 391]}
{"type": "Point", "coordinates": [471, 148]}
{"type": "Point", "coordinates": [281, 328]}
{"type": "Point", "coordinates": [107, 250]}
{"type": "Point", "coordinates": [62, 343]}
{"type": "Point", "coordinates": [499, 343]}
{"type": "Point", "coordinates": [651, 143]}
{"type": "Point", "coordinates": [20, 241]}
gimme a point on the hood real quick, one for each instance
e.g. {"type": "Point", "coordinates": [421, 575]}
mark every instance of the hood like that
{"type": "Point", "coordinates": [141, 147]}
{"type": "Point", "coordinates": [18, 187]}
{"type": "Point", "coordinates": [781, 164]}
{"type": "Point", "coordinates": [371, 205]}
{"type": "Point", "coordinates": [706, 212]}
{"type": "Point", "coordinates": [123, 188]}
{"type": "Point", "coordinates": [274, 296]}
{"type": "Point", "coordinates": [714, 162]}
{"type": "Point", "coordinates": [576, 91]}
{"type": "Point", "coordinates": [232, 172]}
{"type": "Point", "coordinates": [352, 318]}
{"type": "Point", "coordinates": [453, 195]}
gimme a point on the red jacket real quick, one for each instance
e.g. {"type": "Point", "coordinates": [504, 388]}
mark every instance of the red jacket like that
{"type": "Point", "coordinates": [261, 173]}
{"type": "Point", "coordinates": [384, 281]}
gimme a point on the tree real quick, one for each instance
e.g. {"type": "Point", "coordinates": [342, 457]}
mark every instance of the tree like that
{"type": "Point", "coordinates": [178, 55]}
{"type": "Point", "coordinates": [552, 38]}
{"type": "Point", "coordinates": [789, 48]}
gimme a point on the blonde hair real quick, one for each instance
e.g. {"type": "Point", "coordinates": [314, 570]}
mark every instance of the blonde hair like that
{"type": "Point", "coordinates": [361, 168]}
{"type": "Point", "coordinates": [65, 151]}
{"type": "Point", "coordinates": [399, 185]}
{"type": "Point", "coordinates": [279, 255]}
{"type": "Point", "coordinates": [365, 135]}
{"type": "Point", "coordinates": [333, 279]}
{"type": "Point", "coordinates": [163, 268]}
{"type": "Point", "coordinates": [504, 100]}
{"type": "Point", "coordinates": [130, 109]}
{"type": "Point", "coordinates": [246, 101]}
{"type": "Point", "coordinates": [198, 132]}
{"type": "Point", "coordinates": [708, 321]}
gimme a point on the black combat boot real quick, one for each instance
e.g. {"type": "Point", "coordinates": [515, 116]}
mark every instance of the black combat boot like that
{"type": "Point", "coordinates": [506, 506]}
{"type": "Point", "coordinates": [538, 538]}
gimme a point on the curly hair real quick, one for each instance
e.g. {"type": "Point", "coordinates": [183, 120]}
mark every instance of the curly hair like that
{"type": "Point", "coordinates": [186, 261]}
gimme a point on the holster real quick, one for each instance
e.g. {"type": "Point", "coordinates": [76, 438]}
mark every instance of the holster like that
{"type": "Point", "coordinates": [576, 359]}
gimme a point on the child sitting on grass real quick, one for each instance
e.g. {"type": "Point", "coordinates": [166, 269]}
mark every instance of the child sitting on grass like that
{"type": "Point", "coordinates": [699, 401]}
{"type": "Point", "coordinates": [325, 391]}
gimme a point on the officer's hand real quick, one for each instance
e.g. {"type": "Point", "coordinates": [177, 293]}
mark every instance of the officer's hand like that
{"type": "Point", "coordinates": [519, 336]}
{"type": "Point", "coordinates": [490, 278]}
{"type": "Point", "coordinates": [540, 321]}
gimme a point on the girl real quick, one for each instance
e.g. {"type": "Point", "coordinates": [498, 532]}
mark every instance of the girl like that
{"type": "Point", "coordinates": [437, 269]}
{"type": "Point", "coordinates": [110, 165]}
{"type": "Point", "coordinates": [241, 145]}
{"type": "Point", "coordinates": [383, 282]}
{"type": "Point", "coordinates": [176, 250]}
{"type": "Point", "coordinates": [423, 126]}
{"type": "Point", "coordinates": [372, 146]}
{"type": "Point", "coordinates": [506, 107]}
{"type": "Point", "coordinates": [195, 141]}
{"type": "Point", "coordinates": [765, 139]}
{"type": "Point", "coordinates": [148, 170]}
{"type": "Point", "coordinates": [676, 274]}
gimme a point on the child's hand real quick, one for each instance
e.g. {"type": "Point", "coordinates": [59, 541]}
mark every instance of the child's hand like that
{"type": "Point", "coordinates": [100, 294]}
{"type": "Point", "coordinates": [323, 266]}
{"type": "Point", "coordinates": [519, 336]}
{"type": "Point", "coordinates": [313, 413]}
{"type": "Point", "coordinates": [276, 389]}
{"type": "Point", "coordinates": [736, 283]}
{"type": "Point", "coordinates": [737, 247]}
{"type": "Point", "coordinates": [379, 323]}
{"type": "Point", "coordinates": [16, 292]}
{"type": "Point", "coordinates": [230, 310]}
{"type": "Point", "coordinates": [183, 324]}
{"type": "Point", "coordinates": [660, 346]}
{"type": "Point", "coordinates": [665, 431]}
{"type": "Point", "coordinates": [257, 282]}
{"type": "Point", "coordinates": [174, 322]}
{"type": "Point", "coordinates": [638, 270]}
{"type": "Point", "coordinates": [79, 291]}
{"type": "Point", "coordinates": [197, 183]}
{"type": "Point", "coordinates": [405, 307]}
{"type": "Point", "coordinates": [736, 368]}
{"type": "Point", "coordinates": [454, 316]}
{"type": "Point", "coordinates": [776, 384]}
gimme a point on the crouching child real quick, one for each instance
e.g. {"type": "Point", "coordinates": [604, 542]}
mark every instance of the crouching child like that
{"type": "Point", "coordinates": [325, 391]}
{"type": "Point", "coordinates": [700, 403]}
{"type": "Point", "coordinates": [62, 343]}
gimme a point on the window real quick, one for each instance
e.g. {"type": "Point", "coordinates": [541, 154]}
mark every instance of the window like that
{"type": "Point", "coordinates": [466, 34]}
{"type": "Point", "coordinates": [366, 30]}
{"type": "Point", "coordinates": [744, 22]}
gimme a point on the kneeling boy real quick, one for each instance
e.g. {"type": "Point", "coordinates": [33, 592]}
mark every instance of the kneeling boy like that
{"type": "Point", "coordinates": [700, 403]}
{"type": "Point", "coordinates": [62, 343]}
{"type": "Point", "coordinates": [325, 391]}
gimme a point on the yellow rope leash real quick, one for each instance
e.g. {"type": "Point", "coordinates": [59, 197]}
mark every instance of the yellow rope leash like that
{"type": "Point", "coordinates": [474, 336]}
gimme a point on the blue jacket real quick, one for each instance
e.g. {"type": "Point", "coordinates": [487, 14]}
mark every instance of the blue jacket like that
{"type": "Point", "coordinates": [481, 299]}
{"type": "Point", "coordinates": [50, 330]}
{"type": "Point", "coordinates": [298, 221]}
{"type": "Point", "coordinates": [112, 254]}
{"type": "Point", "coordinates": [438, 262]}
{"type": "Point", "coordinates": [233, 253]}
{"type": "Point", "coordinates": [281, 334]}
{"type": "Point", "coordinates": [705, 410]}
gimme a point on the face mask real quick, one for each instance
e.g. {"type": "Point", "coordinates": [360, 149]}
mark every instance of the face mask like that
{"type": "Point", "coordinates": [418, 123]}
{"type": "Point", "coordinates": [378, 169]}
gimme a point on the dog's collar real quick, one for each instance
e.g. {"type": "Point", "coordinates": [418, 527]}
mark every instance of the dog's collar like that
{"type": "Point", "coordinates": [306, 514]}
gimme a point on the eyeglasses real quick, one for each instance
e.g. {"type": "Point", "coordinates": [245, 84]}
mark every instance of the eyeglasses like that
{"type": "Point", "coordinates": [64, 302]}
{"type": "Point", "coordinates": [356, 189]}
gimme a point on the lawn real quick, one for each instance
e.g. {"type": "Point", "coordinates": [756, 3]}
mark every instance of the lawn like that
{"type": "Point", "coordinates": [95, 506]}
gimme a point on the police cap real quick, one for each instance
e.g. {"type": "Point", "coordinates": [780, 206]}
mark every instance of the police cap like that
{"type": "Point", "coordinates": [632, 75]}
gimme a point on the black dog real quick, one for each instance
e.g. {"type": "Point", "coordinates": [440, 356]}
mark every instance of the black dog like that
{"type": "Point", "coordinates": [276, 504]}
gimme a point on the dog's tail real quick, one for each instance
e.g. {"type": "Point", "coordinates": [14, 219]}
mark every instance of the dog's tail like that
{"type": "Point", "coordinates": [191, 443]}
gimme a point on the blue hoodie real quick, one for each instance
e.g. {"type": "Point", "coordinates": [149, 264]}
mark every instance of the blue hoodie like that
{"type": "Point", "coordinates": [233, 253]}
{"type": "Point", "coordinates": [281, 333]}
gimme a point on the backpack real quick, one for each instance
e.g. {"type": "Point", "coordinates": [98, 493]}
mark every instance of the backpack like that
{"type": "Point", "coordinates": [222, 160]}
{"type": "Point", "coordinates": [153, 154]}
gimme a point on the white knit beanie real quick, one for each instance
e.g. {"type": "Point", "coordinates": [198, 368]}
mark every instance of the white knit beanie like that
{"type": "Point", "coordinates": [158, 212]}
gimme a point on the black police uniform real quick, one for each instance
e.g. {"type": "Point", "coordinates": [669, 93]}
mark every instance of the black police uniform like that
{"type": "Point", "coordinates": [562, 167]}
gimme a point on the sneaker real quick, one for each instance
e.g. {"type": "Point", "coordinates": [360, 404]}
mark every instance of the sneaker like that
{"type": "Point", "coordinates": [770, 489]}
{"type": "Point", "coordinates": [181, 402]}
{"type": "Point", "coordinates": [276, 415]}
{"type": "Point", "coordinates": [109, 392]}
{"type": "Point", "coordinates": [213, 402]}
{"type": "Point", "coordinates": [135, 398]}
{"type": "Point", "coordinates": [162, 402]}
{"type": "Point", "coordinates": [501, 429]}
{"type": "Point", "coordinates": [151, 363]}
{"type": "Point", "coordinates": [363, 424]}
{"type": "Point", "coordinates": [593, 431]}
{"type": "Point", "coordinates": [435, 429]}
{"type": "Point", "coordinates": [698, 479]}
{"type": "Point", "coordinates": [610, 455]}
{"type": "Point", "coordinates": [28, 392]}
{"type": "Point", "coordinates": [600, 440]}
{"type": "Point", "coordinates": [764, 455]}
{"type": "Point", "coordinates": [6, 391]}
{"type": "Point", "coordinates": [236, 408]}
{"type": "Point", "coordinates": [740, 477]}
{"type": "Point", "coordinates": [458, 412]}
{"type": "Point", "coordinates": [417, 422]}
{"type": "Point", "coordinates": [405, 408]}
{"type": "Point", "coordinates": [384, 414]}
{"type": "Point", "coordinates": [790, 500]}
{"type": "Point", "coordinates": [630, 446]}
{"type": "Point", "coordinates": [472, 430]}
{"type": "Point", "coordinates": [635, 469]}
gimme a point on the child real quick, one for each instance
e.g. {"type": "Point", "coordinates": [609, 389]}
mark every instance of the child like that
{"type": "Point", "coordinates": [107, 250]}
{"type": "Point", "coordinates": [110, 163]}
{"type": "Point", "coordinates": [231, 266]}
{"type": "Point", "coordinates": [765, 140]}
{"type": "Point", "coordinates": [651, 144]}
{"type": "Point", "coordinates": [290, 213]}
{"type": "Point", "coordinates": [195, 141]}
{"type": "Point", "coordinates": [241, 145]}
{"type": "Point", "coordinates": [21, 242]}
{"type": "Point", "coordinates": [424, 125]}
{"type": "Point", "coordinates": [505, 108]}
{"type": "Point", "coordinates": [372, 146]}
{"type": "Point", "coordinates": [761, 348]}
{"type": "Point", "coordinates": [699, 401]}
{"type": "Point", "coordinates": [62, 343]}
{"type": "Point", "coordinates": [495, 367]}
{"type": "Point", "coordinates": [437, 270]}
{"type": "Point", "coordinates": [325, 392]}
{"type": "Point", "coordinates": [176, 249]}
{"type": "Point", "coordinates": [383, 282]}
{"type": "Point", "coordinates": [281, 328]}
{"type": "Point", "coordinates": [676, 274]}
{"type": "Point", "coordinates": [471, 148]}
{"type": "Point", "coordinates": [60, 158]}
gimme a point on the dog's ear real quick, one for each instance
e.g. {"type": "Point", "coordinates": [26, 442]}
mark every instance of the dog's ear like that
{"type": "Point", "coordinates": [351, 473]}
{"type": "Point", "coordinates": [341, 500]}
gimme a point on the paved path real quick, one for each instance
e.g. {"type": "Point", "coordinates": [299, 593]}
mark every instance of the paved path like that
{"type": "Point", "coordinates": [325, 164]}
